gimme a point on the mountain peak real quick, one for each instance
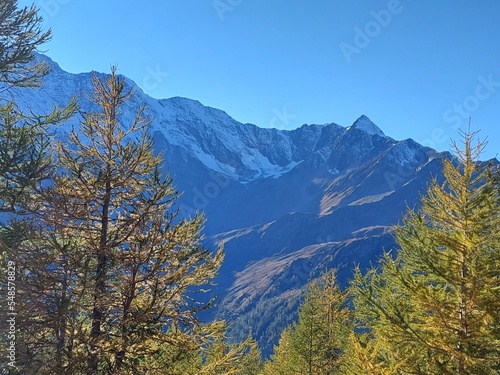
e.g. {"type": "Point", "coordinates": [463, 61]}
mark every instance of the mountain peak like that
{"type": "Point", "coordinates": [365, 124]}
{"type": "Point", "coordinates": [42, 58]}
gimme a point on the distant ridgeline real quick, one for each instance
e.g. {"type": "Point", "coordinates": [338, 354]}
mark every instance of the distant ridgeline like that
{"type": "Point", "coordinates": [286, 205]}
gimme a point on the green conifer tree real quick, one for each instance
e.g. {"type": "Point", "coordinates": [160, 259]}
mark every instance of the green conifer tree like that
{"type": "Point", "coordinates": [24, 141]}
{"type": "Point", "coordinates": [110, 272]}
{"type": "Point", "coordinates": [21, 34]}
{"type": "Point", "coordinates": [435, 308]}
{"type": "Point", "coordinates": [25, 154]}
{"type": "Point", "coordinates": [220, 357]}
{"type": "Point", "coordinates": [282, 360]}
{"type": "Point", "coordinates": [314, 345]}
{"type": "Point", "coordinates": [144, 261]}
{"type": "Point", "coordinates": [107, 274]}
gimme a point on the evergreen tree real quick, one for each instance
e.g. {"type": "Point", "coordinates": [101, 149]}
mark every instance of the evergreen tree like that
{"type": "Point", "coordinates": [144, 264]}
{"type": "Point", "coordinates": [110, 272]}
{"type": "Point", "coordinates": [435, 308]}
{"type": "Point", "coordinates": [283, 361]}
{"type": "Point", "coordinates": [25, 157]}
{"type": "Point", "coordinates": [25, 154]}
{"type": "Point", "coordinates": [24, 141]}
{"type": "Point", "coordinates": [106, 272]}
{"type": "Point", "coordinates": [219, 357]}
{"type": "Point", "coordinates": [20, 36]}
{"type": "Point", "coordinates": [314, 345]}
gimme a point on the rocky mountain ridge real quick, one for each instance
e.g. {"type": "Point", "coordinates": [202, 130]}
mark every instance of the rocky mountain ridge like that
{"type": "Point", "coordinates": [286, 204]}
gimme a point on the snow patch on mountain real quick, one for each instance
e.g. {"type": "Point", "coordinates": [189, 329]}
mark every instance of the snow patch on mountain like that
{"type": "Point", "coordinates": [365, 124]}
{"type": "Point", "coordinates": [404, 152]}
{"type": "Point", "coordinates": [243, 152]}
{"type": "Point", "coordinates": [212, 163]}
{"type": "Point", "coordinates": [333, 171]}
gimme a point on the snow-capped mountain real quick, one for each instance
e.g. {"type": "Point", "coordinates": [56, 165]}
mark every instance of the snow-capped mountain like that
{"type": "Point", "coordinates": [286, 204]}
{"type": "Point", "coordinates": [365, 124]}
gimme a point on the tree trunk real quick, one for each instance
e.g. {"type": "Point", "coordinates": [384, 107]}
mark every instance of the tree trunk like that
{"type": "Point", "coordinates": [62, 321]}
{"type": "Point", "coordinates": [100, 283]}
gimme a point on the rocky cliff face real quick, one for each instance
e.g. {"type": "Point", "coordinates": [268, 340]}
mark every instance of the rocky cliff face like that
{"type": "Point", "coordinates": [287, 205]}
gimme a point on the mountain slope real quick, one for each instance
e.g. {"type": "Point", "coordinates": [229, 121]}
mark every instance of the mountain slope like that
{"type": "Point", "coordinates": [286, 204]}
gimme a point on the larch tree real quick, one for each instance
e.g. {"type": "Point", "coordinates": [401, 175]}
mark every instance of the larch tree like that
{"type": "Point", "coordinates": [143, 264]}
{"type": "Point", "coordinates": [220, 357]}
{"type": "Point", "coordinates": [110, 275]}
{"type": "Point", "coordinates": [282, 361]}
{"type": "Point", "coordinates": [435, 307]}
{"type": "Point", "coordinates": [314, 345]}
{"type": "Point", "coordinates": [107, 275]}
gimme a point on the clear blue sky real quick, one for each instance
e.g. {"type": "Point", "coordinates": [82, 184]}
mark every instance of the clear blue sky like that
{"type": "Point", "coordinates": [418, 69]}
